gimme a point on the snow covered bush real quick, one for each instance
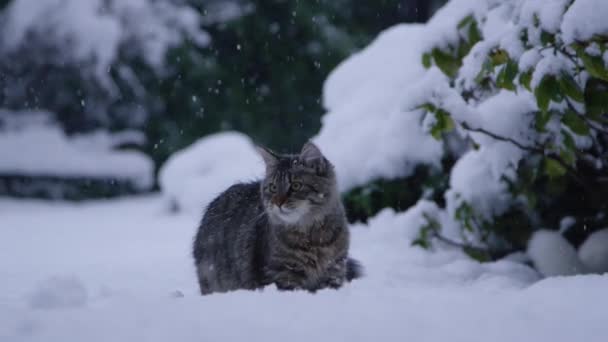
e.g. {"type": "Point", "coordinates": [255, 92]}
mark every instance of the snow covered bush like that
{"type": "Point", "coordinates": [503, 100]}
{"type": "Point", "coordinates": [88, 60]}
{"type": "Point", "coordinates": [37, 159]}
{"type": "Point", "coordinates": [524, 84]}
{"type": "Point", "coordinates": [194, 176]}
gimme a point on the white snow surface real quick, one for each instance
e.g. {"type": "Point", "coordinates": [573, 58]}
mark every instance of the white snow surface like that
{"type": "Point", "coordinates": [194, 176]}
{"type": "Point", "coordinates": [32, 145]}
{"type": "Point", "coordinates": [115, 271]}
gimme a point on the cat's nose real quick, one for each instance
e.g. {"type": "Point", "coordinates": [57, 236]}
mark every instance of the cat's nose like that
{"type": "Point", "coordinates": [278, 200]}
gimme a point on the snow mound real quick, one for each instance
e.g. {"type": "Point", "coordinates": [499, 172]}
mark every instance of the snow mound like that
{"type": "Point", "coordinates": [366, 113]}
{"type": "Point", "coordinates": [594, 252]}
{"type": "Point", "coordinates": [59, 292]}
{"type": "Point", "coordinates": [31, 145]}
{"type": "Point", "coordinates": [194, 176]}
{"type": "Point", "coordinates": [553, 255]}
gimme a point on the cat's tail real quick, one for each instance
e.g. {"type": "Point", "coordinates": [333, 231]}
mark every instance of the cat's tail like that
{"type": "Point", "coordinates": [354, 269]}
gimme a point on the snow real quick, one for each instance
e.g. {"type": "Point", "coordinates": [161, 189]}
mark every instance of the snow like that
{"type": "Point", "coordinates": [121, 270]}
{"type": "Point", "coordinates": [594, 251]}
{"type": "Point", "coordinates": [373, 98]}
{"type": "Point", "coordinates": [585, 19]}
{"type": "Point", "coordinates": [109, 271]}
{"type": "Point", "coordinates": [194, 176]}
{"type": "Point", "coordinates": [366, 113]}
{"type": "Point", "coordinates": [369, 106]}
{"type": "Point", "coordinates": [58, 292]}
{"type": "Point", "coordinates": [548, 12]}
{"type": "Point", "coordinates": [553, 255]}
{"type": "Point", "coordinates": [94, 30]}
{"type": "Point", "coordinates": [30, 144]}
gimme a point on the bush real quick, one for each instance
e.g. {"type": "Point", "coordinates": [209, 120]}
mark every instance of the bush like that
{"type": "Point", "coordinates": [529, 99]}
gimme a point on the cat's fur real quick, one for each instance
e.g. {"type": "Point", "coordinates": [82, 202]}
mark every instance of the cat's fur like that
{"type": "Point", "coordinates": [288, 229]}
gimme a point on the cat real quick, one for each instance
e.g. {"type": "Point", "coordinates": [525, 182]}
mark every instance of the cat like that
{"type": "Point", "coordinates": [288, 229]}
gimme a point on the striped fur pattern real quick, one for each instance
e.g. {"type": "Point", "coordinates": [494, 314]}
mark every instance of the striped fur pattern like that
{"type": "Point", "coordinates": [288, 229]}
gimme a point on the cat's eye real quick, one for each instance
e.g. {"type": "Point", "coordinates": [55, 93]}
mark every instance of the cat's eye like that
{"type": "Point", "coordinates": [272, 187]}
{"type": "Point", "coordinates": [296, 186]}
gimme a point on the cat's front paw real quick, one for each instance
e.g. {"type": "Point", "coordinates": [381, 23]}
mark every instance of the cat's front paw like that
{"type": "Point", "coordinates": [287, 285]}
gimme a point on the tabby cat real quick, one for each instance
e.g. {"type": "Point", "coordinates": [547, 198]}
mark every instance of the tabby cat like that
{"type": "Point", "coordinates": [288, 229]}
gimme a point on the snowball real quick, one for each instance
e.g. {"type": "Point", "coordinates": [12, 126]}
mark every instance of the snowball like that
{"type": "Point", "coordinates": [194, 176]}
{"type": "Point", "coordinates": [553, 255]}
{"type": "Point", "coordinates": [59, 292]}
{"type": "Point", "coordinates": [594, 251]}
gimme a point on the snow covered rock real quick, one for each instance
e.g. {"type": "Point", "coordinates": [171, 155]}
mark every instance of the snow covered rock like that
{"type": "Point", "coordinates": [594, 252]}
{"type": "Point", "coordinates": [553, 255]}
{"type": "Point", "coordinates": [192, 177]}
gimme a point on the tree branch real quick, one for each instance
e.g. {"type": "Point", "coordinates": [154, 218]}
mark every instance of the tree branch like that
{"type": "Point", "coordinates": [534, 149]}
{"type": "Point", "coordinates": [492, 254]}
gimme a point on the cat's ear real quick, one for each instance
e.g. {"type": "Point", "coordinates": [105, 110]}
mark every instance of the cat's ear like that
{"type": "Point", "coordinates": [312, 157]}
{"type": "Point", "coordinates": [271, 159]}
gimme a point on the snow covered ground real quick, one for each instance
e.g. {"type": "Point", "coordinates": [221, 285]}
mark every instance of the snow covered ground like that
{"type": "Point", "coordinates": [111, 271]}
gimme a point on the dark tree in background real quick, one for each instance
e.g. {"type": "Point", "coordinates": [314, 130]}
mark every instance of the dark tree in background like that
{"type": "Point", "coordinates": [263, 72]}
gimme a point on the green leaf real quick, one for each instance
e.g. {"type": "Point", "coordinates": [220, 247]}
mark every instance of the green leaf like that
{"type": "Point", "coordinates": [474, 33]}
{"type": "Point", "coordinates": [499, 56]}
{"type": "Point", "coordinates": [568, 156]}
{"type": "Point", "coordinates": [541, 120]}
{"type": "Point", "coordinates": [463, 214]}
{"type": "Point", "coordinates": [596, 101]}
{"type": "Point", "coordinates": [443, 124]}
{"type": "Point", "coordinates": [486, 70]}
{"type": "Point", "coordinates": [546, 38]}
{"type": "Point", "coordinates": [547, 90]}
{"type": "Point", "coordinates": [553, 169]}
{"type": "Point", "coordinates": [506, 76]}
{"type": "Point", "coordinates": [429, 107]}
{"type": "Point", "coordinates": [422, 242]}
{"type": "Point", "coordinates": [525, 78]}
{"type": "Point", "coordinates": [426, 60]}
{"type": "Point", "coordinates": [575, 123]}
{"type": "Point", "coordinates": [568, 152]}
{"type": "Point", "coordinates": [543, 96]}
{"type": "Point", "coordinates": [447, 63]}
{"type": "Point", "coordinates": [477, 254]}
{"type": "Point", "coordinates": [531, 198]}
{"type": "Point", "coordinates": [568, 86]}
{"type": "Point", "coordinates": [594, 65]}
{"type": "Point", "coordinates": [466, 21]}
{"type": "Point", "coordinates": [568, 140]}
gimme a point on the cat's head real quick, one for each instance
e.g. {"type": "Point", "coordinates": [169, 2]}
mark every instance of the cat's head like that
{"type": "Point", "coordinates": [297, 186]}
